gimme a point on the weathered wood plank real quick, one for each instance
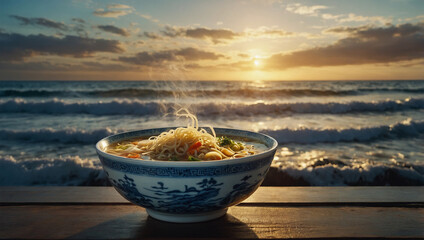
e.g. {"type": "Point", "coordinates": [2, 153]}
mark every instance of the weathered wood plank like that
{"type": "Point", "coordinates": [262, 195]}
{"type": "Point", "coordinates": [60, 195]}
{"type": "Point", "coordinates": [128, 221]}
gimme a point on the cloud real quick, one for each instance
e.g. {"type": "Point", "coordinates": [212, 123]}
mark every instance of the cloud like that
{"type": "Point", "coordinates": [40, 22]}
{"type": "Point", "coordinates": [364, 45]}
{"type": "Point", "coordinates": [243, 55]}
{"type": "Point", "coordinates": [78, 27]}
{"type": "Point", "coordinates": [329, 16]}
{"type": "Point", "coordinates": [345, 30]}
{"type": "Point", "coordinates": [148, 17]}
{"type": "Point", "coordinates": [54, 67]}
{"type": "Point", "coordinates": [111, 13]}
{"type": "Point", "coordinates": [342, 18]}
{"type": "Point", "coordinates": [34, 66]}
{"type": "Point", "coordinates": [110, 6]}
{"type": "Point", "coordinates": [114, 11]}
{"type": "Point", "coordinates": [266, 32]}
{"type": "Point", "coordinates": [193, 54]}
{"type": "Point", "coordinates": [114, 30]}
{"type": "Point", "coordinates": [380, 33]}
{"type": "Point", "coordinates": [158, 58]}
{"type": "Point", "coordinates": [304, 10]}
{"type": "Point", "coordinates": [214, 35]}
{"type": "Point", "coordinates": [78, 20]}
{"type": "Point", "coordinates": [17, 47]}
{"type": "Point", "coordinates": [151, 35]}
{"type": "Point", "coordinates": [351, 17]}
{"type": "Point", "coordinates": [412, 19]}
{"type": "Point", "coordinates": [220, 36]}
{"type": "Point", "coordinates": [100, 66]}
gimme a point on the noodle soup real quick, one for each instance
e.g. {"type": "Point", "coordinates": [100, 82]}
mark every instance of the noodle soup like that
{"type": "Point", "coordinates": [199, 149]}
{"type": "Point", "coordinates": [182, 186]}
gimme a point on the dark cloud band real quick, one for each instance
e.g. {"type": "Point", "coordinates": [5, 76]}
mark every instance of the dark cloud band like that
{"type": "Point", "coordinates": [114, 30]}
{"type": "Point", "coordinates": [16, 47]}
{"type": "Point", "coordinates": [364, 45]}
{"type": "Point", "coordinates": [40, 22]}
{"type": "Point", "coordinates": [214, 35]}
{"type": "Point", "coordinates": [157, 58]}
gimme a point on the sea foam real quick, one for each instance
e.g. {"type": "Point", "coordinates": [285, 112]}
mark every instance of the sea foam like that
{"type": "Point", "coordinates": [407, 128]}
{"type": "Point", "coordinates": [64, 171]}
{"type": "Point", "coordinates": [332, 173]}
{"type": "Point", "coordinates": [71, 135]}
{"type": "Point", "coordinates": [144, 108]}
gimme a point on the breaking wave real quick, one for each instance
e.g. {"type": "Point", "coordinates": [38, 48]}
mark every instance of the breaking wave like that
{"type": "Point", "coordinates": [71, 135]}
{"type": "Point", "coordinates": [62, 107]}
{"type": "Point", "coordinates": [407, 128]}
{"type": "Point", "coordinates": [146, 93]}
{"type": "Point", "coordinates": [63, 171]}
{"type": "Point", "coordinates": [325, 172]}
{"type": "Point", "coordinates": [137, 107]}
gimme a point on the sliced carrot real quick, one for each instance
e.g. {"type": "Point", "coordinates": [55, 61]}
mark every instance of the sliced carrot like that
{"type": "Point", "coordinates": [133, 155]}
{"type": "Point", "coordinates": [194, 147]}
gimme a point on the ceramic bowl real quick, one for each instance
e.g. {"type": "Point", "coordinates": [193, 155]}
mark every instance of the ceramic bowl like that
{"type": "Point", "coordinates": [183, 191]}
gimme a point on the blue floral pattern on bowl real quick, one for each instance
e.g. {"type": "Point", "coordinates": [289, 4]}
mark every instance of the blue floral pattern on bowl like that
{"type": "Point", "coordinates": [183, 172]}
{"type": "Point", "coordinates": [199, 198]}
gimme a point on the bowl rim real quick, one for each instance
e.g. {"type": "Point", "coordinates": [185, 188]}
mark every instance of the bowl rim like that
{"type": "Point", "coordinates": [109, 156]}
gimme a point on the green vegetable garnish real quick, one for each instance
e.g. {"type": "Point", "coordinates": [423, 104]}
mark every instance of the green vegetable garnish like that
{"type": "Point", "coordinates": [225, 141]}
{"type": "Point", "coordinates": [174, 159]}
{"type": "Point", "coordinates": [123, 147]}
{"type": "Point", "coordinates": [191, 158]}
{"type": "Point", "coordinates": [228, 142]}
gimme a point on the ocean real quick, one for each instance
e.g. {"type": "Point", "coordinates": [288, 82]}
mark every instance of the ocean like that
{"type": "Point", "coordinates": [330, 133]}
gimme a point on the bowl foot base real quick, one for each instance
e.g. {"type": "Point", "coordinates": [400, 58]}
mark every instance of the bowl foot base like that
{"type": "Point", "coordinates": [186, 218]}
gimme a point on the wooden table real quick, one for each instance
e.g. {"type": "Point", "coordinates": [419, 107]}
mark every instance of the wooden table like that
{"type": "Point", "coordinates": [272, 212]}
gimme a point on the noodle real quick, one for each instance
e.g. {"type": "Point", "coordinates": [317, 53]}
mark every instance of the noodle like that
{"type": "Point", "coordinates": [184, 143]}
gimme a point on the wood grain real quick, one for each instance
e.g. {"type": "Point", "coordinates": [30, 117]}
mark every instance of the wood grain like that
{"type": "Point", "coordinates": [272, 212]}
{"type": "Point", "coordinates": [127, 221]}
{"type": "Point", "coordinates": [262, 195]}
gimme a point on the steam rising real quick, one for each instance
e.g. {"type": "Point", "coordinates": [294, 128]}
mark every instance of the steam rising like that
{"type": "Point", "coordinates": [175, 76]}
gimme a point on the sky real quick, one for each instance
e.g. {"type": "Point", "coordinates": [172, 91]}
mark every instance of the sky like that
{"type": "Point", "coordinates": [212, 40]}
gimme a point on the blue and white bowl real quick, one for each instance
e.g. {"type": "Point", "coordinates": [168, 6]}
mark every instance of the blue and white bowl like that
{"type": "Point", "coordinates": [186, 191]}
